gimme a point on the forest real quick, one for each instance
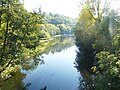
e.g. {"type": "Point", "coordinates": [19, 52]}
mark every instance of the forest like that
{"type": "Point", "coordinates": [55, 24]}
{"type": "Point", "coordinates": [98, 40]}
{"type": "Point", "coordinates": [21, 33]}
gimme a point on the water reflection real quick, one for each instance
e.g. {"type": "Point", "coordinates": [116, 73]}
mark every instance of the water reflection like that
{"type": "Point", "coordinates": [58, 72]}
{"type": "Point", "coordinates": [57, 44]}
{"type": "Point", "coordinates": [14, 83]}
{"type": "Point", "coordinates": [84, 61]}
{"type": "Point", "coordinates": [53, 70]}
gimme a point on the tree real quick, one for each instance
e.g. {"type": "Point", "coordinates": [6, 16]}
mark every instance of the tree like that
{"type": "Point", "coordinates": [19, 31]}
{"type": "Point", "coordinates": [98, 32]}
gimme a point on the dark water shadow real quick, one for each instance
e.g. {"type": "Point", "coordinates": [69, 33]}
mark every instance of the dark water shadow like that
{"type": "Point", "coordinates": [83, 63]}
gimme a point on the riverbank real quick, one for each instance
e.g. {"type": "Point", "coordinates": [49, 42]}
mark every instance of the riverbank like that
{"type": "Point", "coordinates": [51, 38]}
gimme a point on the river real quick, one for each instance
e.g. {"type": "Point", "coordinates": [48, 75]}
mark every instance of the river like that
{"type": "Point", "coordinates": [57, 72]}
{"type": "Point", "coordinates": [53, 69]}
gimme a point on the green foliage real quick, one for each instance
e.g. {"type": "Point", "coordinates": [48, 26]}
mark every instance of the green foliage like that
{"type": "Point", "coordinates": [13, 82]}
{"type": "Point", "coordinates": [65, 29]}
{"type": "Point", "coordinates": [116, 41]}
{"type": "Point", "coordinates": [19, 31]}
{"type": "Point", "coordinates": [8, 71]}
{"type": "Point", "coordinates": [63, 23]}
{"type": "Point", "coordinates": [108, 71]}
{"type": "Point", "coordinates": [100, 33]}
{"type": "Point", "coordinates": [58, 19]}
{"type": "Point", "coordinates": [48, 30]}
{"type": "Point", "coordinates": [52, 29]}
{"type": "Point", "coordinates": [85, 25]}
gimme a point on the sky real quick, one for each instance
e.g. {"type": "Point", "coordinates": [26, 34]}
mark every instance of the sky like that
{"type": "Point", "coordinates": [63, 7]}
{"type": "Point", "coordinates": [115, 4]}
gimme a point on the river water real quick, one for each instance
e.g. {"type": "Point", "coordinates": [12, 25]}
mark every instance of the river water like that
{"type": "Point", "coordinates": [53, 69]}
{"type": "Point", "coordinates": [57, 72]}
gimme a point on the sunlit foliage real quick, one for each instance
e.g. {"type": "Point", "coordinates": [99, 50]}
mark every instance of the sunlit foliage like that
{"type": "Point", "coordinates": [97, 29]}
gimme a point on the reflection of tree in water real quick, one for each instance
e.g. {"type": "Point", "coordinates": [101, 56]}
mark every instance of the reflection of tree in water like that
{"type": "Point", "coordinates": [59, 43]}
{"type": "Point", "coordinates": [14, 83]}
{"type": "Point", "coordinates": [56, 45]}
{"type": "Point", "coordinates": [84, 61]}
{"type": "Point", "coordinates": [32, 63]}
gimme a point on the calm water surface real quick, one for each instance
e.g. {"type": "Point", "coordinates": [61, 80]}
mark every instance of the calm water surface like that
{"type": "Point", "coordinates": [57, 72]}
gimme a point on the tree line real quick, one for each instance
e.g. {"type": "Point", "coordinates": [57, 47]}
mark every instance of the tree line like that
{"type": "Point", "coordinates": [55, 24]}
{"type": "Point", "coordinates": [98, 40]}
{"type": "Point", "coordinates": [21, 32]}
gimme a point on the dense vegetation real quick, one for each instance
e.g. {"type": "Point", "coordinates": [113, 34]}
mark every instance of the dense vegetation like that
{"type": "Point", "coordinates": [98, 40]}
{"type": "Point", "coordinates": [55, 24]}
{"type": "Point", "coordinates": [21, 33]}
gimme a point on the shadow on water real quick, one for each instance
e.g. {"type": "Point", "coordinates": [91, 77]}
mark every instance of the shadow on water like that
{"type": "Point", "coordinates": [83, 62]}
